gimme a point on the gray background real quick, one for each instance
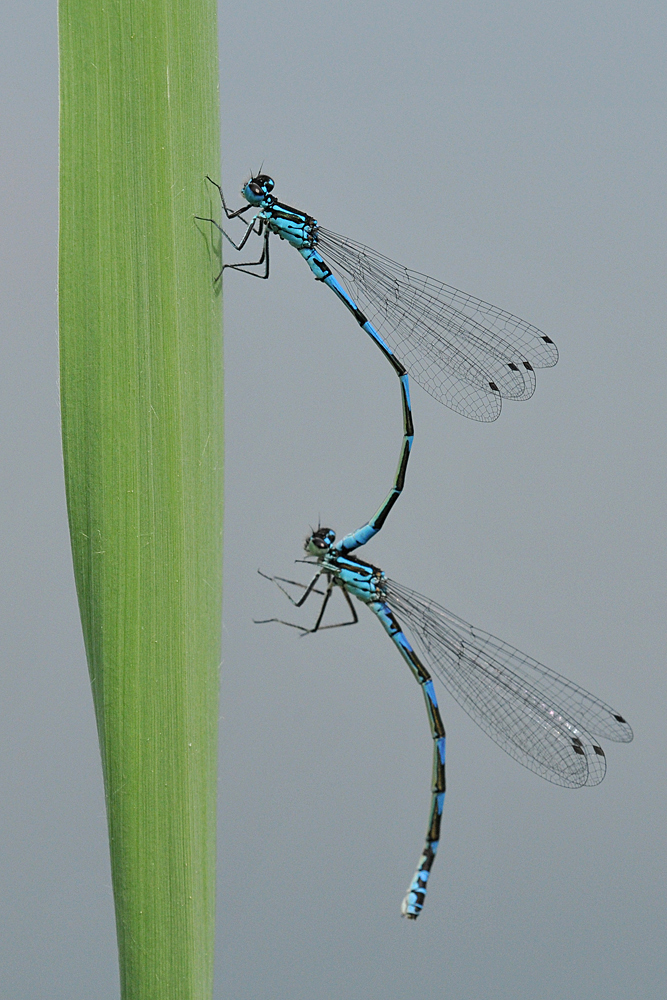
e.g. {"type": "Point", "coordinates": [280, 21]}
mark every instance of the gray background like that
{"type": "Point", "coordinates": [515, 150]}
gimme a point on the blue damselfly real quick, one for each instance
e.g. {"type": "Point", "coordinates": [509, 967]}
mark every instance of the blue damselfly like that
{"type": "Point", "coordinates": [544, 721]}
{"type": "Point", "coordinates": [466, 353]}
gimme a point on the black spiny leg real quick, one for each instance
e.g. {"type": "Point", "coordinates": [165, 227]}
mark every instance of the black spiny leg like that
{"type": "Point", "coordinates": [264, 259]}
{"type": "Point", "coordinates": [309, 589]}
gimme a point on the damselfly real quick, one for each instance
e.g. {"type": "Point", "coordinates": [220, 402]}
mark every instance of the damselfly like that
{"type": "Point", "coordinates": [544, 721]}
{"type": "Point", "coordinates": [466, 353]}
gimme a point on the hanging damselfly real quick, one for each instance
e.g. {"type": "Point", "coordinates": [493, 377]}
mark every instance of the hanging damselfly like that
{"type": "Point", "coordinates": [544, 721]}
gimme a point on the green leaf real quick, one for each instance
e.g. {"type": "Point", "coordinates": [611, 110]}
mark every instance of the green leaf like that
{"type": "Point", "coordinates": [141, 384]}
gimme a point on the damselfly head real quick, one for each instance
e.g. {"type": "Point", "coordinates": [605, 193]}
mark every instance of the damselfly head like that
{"type": "Point", "coordinates": [319, 542]}
{"type": "Point", "coordinates": [257, 188]}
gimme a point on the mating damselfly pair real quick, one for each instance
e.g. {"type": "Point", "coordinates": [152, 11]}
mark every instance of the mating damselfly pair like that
{"type": "Point", "coordinates": [470, 355]}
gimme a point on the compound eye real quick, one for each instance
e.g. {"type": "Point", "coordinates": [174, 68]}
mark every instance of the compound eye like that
{"type": "Point", "coordinates": [264, 183]}
{"type": "Point", "coordinates": [320, 540]}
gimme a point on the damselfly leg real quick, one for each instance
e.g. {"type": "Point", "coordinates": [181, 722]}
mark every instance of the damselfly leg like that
{"type": "Point", "coordinates": [309, 589]}
{"type": "Point", "coordinates": [256, 227]}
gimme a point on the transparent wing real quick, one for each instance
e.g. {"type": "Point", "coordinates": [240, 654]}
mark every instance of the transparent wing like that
{"type": "Point", "coordinates": [541, 719]}
{"type": "Point", "coordinates": [466, 353]}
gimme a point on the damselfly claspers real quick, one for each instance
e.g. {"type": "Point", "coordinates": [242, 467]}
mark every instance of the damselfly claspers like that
{"type": "Point", "coordinates": [546, 722]}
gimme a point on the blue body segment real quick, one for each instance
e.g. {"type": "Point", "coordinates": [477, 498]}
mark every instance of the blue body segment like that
{"type": "Point", "coordinates": [541, 719]}
{"type": "Point", "coordinates": [413, 903]}
{"type": "Point", "coordinates": [362, 535]}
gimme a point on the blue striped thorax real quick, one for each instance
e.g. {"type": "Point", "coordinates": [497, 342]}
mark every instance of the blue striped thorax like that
{"type": "Point", "coordinates": [299, 229]}
{"type": "Point", "coordinates": [357, 577]}
{"type": "Point", "coordinates": [290, 224]}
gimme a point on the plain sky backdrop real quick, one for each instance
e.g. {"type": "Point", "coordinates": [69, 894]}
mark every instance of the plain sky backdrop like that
{"type": "Point", "coordinates": [516, 150]}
